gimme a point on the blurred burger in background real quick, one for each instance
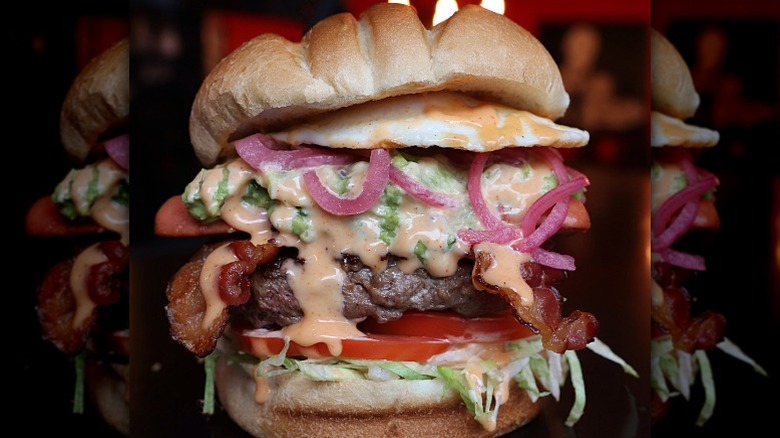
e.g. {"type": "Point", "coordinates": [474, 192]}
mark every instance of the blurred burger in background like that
{"type": "Point", "coordinates": [82, 302]}
{"type": "Point", "coordinates": [381, 199]}
{"type": "Point", "coordinates": [683, 204]}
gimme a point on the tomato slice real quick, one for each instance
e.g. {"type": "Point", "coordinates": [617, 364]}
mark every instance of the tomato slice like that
{"type": "Point", "coordinates": [173, 220]}
{"type": "Point", "coordinates": [416, 336]}
{"type": "Point", "coordinates": [391, 347]}
{"type": "Point", "coordinates": [489, 328]}
{"type": "Point", "coordinates": [44, 219]}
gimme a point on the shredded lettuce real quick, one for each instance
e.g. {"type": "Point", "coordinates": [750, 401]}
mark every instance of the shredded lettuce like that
{"type": "Point", "coordinates": [420, 251]}
{"type": "Point", "coordinates": [709, 387]}
{"type": "Point", "coordinates": [579, 388]}
{"type": "Point", "coordinates": [733, 350]}
{"type": "Point", "coordinates": [209, 363]}
{"type": "Point", "coordinates": [678, 369]}
{"type": "Point", "coordinates": [604, 351]}
{"type": "Point", "coordinates": [79, 363]}
{"type": "Point", "coordinates": [481, 384]}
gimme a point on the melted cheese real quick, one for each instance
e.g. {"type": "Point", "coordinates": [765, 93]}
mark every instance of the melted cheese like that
{"type": "Point", "coordinates": [78, 282]}
{"type": "Point", "coordinates": [433, 119]}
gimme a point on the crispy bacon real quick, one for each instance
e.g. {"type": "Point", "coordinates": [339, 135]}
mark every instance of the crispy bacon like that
{"type": "Point", "coordinates": [57, 306]}
{"type": "Point", "coordinates": [674, 316]}
{"type": "Point", "coordinates": [234, 281]}
{"type": "Point", "coordinates": [186, 307]}
{"type": "Point", "coordinates": [543, 317]}
{"type": "Point", "coordinates": [103, 282]}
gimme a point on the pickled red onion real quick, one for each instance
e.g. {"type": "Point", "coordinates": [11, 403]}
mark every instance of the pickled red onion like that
{"type": "Point", "coordinates": [678, 228]}
{"type": "Point", "coordinates": [419, 191]}
{"type": "Point", "coordinates": [553, 259]}
{"type": "Point", "coordinates": [118, 148]}
{"type": "Point", "coordinates": [549, 199]}
{"type": "Point", "coordinates": [549, 226]}
{"type": "Point", "coordinates": [685, 203]}
{"type": "Point", "coordinates": [690, 193]}
{"type": "Point", "coordinates": [260, 150]}
{"type": "Point", "coordinates": [497, 235]}
{"type": "Point", "coordinates": [555, 160]}
{"type": "Point", "coordinates": [376, 179]}
{"type": "Point", "coordinates": [683, 260]}
{"type": "Point", "coordinates": [481, 209]}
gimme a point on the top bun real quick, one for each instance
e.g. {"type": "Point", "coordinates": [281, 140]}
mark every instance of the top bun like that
{"type": "Point", "coordinates": [672, 85]}
{"type": "Point", "coordinates": [270, 82]}
{"type": "Point", "coordinates": [98, 101]}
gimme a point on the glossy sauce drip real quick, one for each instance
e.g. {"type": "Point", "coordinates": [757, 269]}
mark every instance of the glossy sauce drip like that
{"type": "Point", "coordinates": [242, 217]}
{"type": "Point", "coordinates": [78, 282]}
{"type": "Point", "coordinates": [112, 216]}
{"type": "Point", "coordinates": [667, 179]}
{"type": "Point", "coordinates": [504, 270]}
{"type": "Point", "coordinates": [262, 390]}
{"type": "Point", "coordinates": [317, 286]}
{"type": "Point", "coordinates": [509, 193]}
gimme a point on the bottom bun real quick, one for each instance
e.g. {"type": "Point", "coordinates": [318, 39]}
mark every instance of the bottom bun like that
{"type": "Point", "coordinates": [107, 390]}
{"type": "Point", "coordinates": [298, 406]}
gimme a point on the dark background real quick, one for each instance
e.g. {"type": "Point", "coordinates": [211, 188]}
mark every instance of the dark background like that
{"type": "Point", "coordinates": [46, 46]}
{"type": "Point", "coordinates": [740, 98]}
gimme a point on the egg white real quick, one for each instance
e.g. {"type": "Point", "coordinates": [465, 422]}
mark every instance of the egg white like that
{"type": "Point", "coordinates": [444, 119]}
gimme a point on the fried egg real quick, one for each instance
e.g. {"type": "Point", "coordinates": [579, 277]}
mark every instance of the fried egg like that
{"type": "Point", "coordinates": [671, 131]}
{"type": "Point", "coordinates": [444, 119]}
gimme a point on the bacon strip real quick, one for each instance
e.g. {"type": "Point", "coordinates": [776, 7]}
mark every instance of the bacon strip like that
{"type": "Point", "coordinates": [558, 334]}
{"type": "Point", "coordinates": [57, 307]}
{"type": "Point", "coordinates": [674, 316]}
{"type": "Point", "coordinates": [186, 307]}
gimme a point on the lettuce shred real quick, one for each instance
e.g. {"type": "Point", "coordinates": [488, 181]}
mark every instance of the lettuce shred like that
{"type": "Point", "coordinates": [673, 373]}
{"type": "Point", "coordinates": [479, 383]}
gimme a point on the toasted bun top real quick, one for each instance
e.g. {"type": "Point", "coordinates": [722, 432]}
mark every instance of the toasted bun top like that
{"type": "Point", "coordinates": [270, 82]}
{"type": "Point", "coordinates": [670, 80]}
{"type": "Point", "coordinates": [98, 101]}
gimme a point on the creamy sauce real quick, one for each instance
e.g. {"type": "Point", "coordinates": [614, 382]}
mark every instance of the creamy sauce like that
{"type": "Point", "coordinates": [509, 193]}
{"type": "Point", "coordinates": [425, 237]}
{"type": "Point", "coordinates": [248, 219]}
{"type": "Point", "coordinates": [262, 390]}
{"type": "Point", "coordinates": [112, 216]}
{"type": "Point", "coordinates": [78, 282]}
{"type": "Point", "coordinates": [504, 270]}
{"type": "Point", "coordinates": [317, 287]}
{"type": "Point", "coordinates": [209, 282]}
{"type": "Point", "coordinates": [91, 189]}
{"type": "Point", "coordinates": [666, 180]}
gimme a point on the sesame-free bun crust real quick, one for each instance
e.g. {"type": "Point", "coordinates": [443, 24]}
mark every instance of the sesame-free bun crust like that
{"type": "Point", "coordinates": [671, 83]}
{"type": "Point", "coordinates": [270, 82]}
{"type": "Point", "coordinates": [97, 101]}
{"type": "Point", "coordinates": [298, 406]}
{"type": "Point", "coordinates": [107, 389]}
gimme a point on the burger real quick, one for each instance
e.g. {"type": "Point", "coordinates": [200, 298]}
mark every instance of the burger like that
{"type": "Point", "coordinates": [82, 302]}
{"type": "Point", "coordinates": [381, 199]}
{"type": "Point", "coordinates": [683, 196]}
